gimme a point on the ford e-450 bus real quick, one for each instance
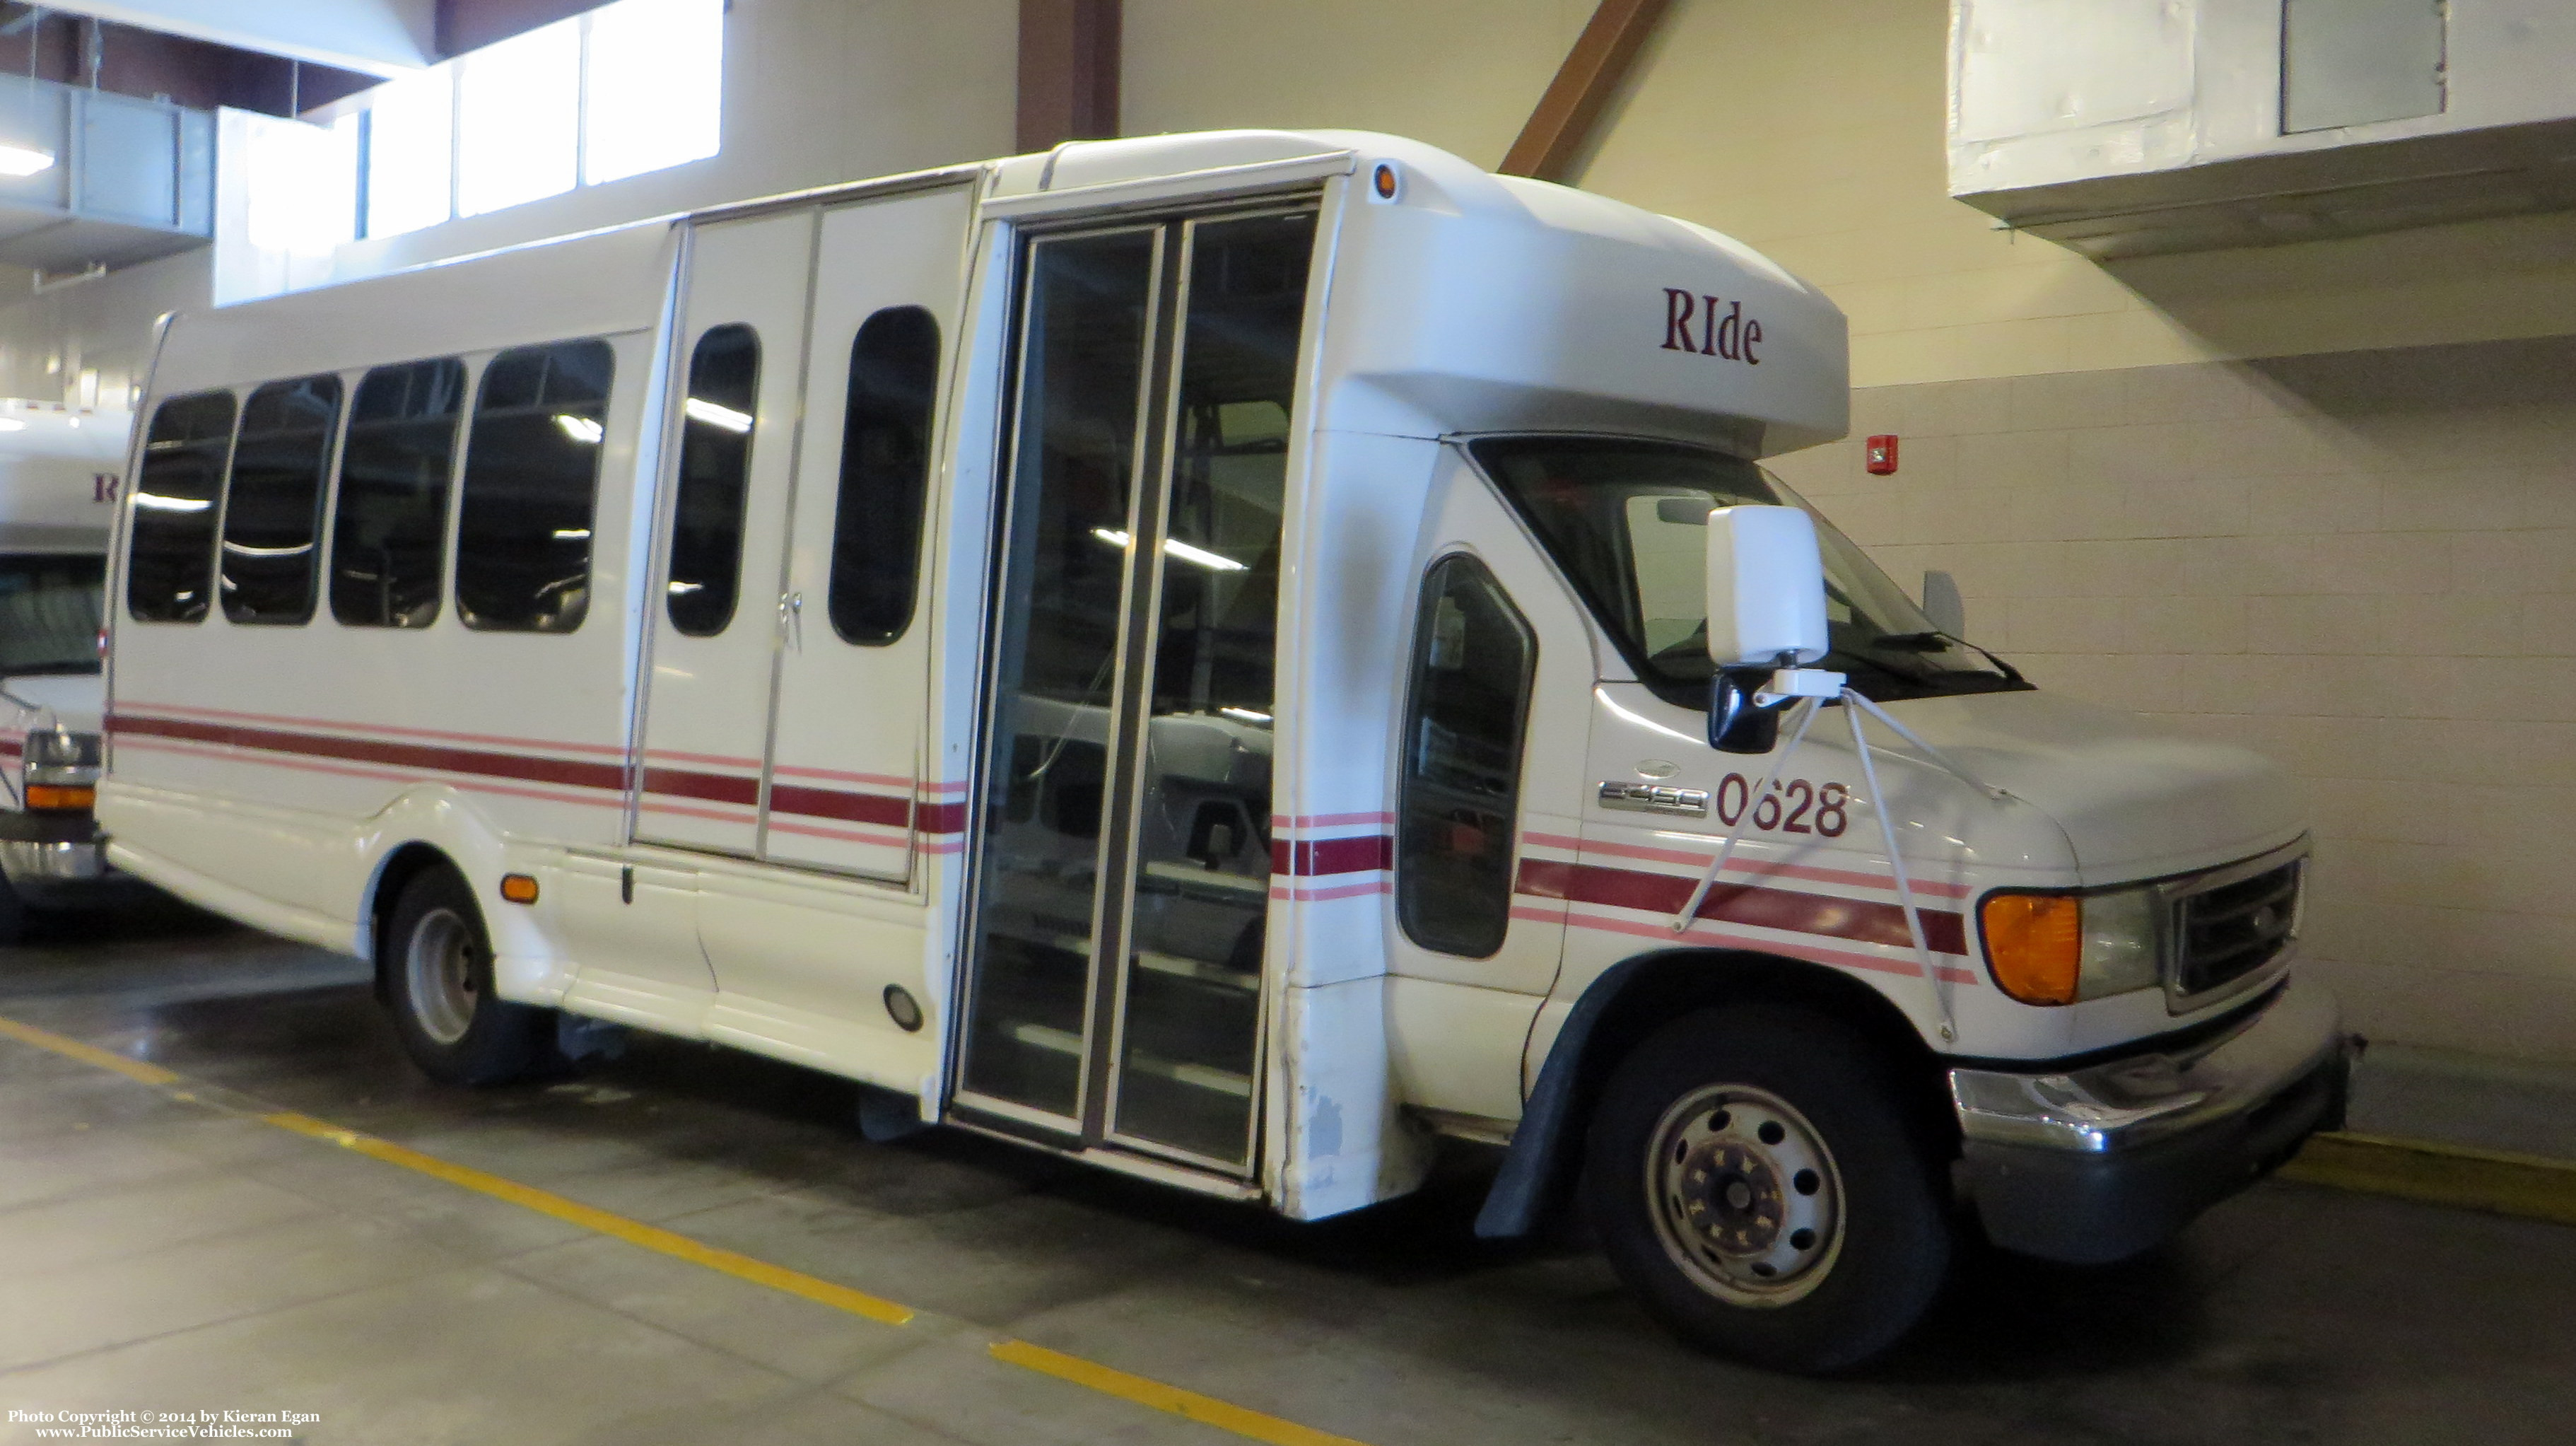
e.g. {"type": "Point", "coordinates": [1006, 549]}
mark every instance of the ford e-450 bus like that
{"type": "Point", "coordinates": [1196, 654]}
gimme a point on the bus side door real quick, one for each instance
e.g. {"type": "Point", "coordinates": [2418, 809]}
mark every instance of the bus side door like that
{"type": "Point", "coordinates": [844, 788]}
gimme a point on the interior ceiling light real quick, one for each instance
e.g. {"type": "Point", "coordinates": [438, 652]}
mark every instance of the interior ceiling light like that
{"type": "Point", "coordinates": [23, 160]}
{"type": "Point", "coordinates": [700, 409]}
{"type": "Point", "coordinates": [12, 424]}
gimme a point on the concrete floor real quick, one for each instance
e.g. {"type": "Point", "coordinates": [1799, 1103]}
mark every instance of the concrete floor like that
{"type": "Point", "coordinates": [157, 1253]}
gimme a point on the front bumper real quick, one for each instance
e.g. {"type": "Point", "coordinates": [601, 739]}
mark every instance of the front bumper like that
{"type": "Point", "coordinates": [52, 859]}
{"type": "Point", "coordinates": [2099, 1163]}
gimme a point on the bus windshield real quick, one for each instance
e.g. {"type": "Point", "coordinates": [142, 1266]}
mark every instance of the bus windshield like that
{"type": "Point", "coordinates": [1627, 522]}
{"type": "Point", "coordinates": [50, 608]}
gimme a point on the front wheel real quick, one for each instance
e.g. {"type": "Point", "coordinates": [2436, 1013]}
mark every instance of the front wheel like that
{"type": "Point", "coordinates": [1756, 1179]}
{"type": "Point", "coordinates": [437, 964]}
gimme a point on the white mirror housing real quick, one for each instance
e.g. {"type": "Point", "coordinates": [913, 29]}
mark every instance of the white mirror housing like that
{"type": "Point", "coordinates": [1766, 587]}
{"type": "Point", "coordinates": [1942, 606]}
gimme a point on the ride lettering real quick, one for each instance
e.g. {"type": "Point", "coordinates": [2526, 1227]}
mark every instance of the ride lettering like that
{"type": "Point", "coordinates": [1730, 336]}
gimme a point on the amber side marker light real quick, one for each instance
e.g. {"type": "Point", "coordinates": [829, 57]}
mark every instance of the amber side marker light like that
{"type": "Point", "coordinates": [519, 888]}
{"type": "Point", "coordinates": [61, 797]}
{"type": "Point", "coordinates": [2035, 943]}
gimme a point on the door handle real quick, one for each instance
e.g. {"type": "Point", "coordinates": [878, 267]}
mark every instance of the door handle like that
{"type": "Point", "coordinates": [791, 619]}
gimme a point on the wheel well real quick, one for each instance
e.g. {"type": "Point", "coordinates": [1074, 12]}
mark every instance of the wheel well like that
{"type": "Point", "coordinates": [1665, 985]}
{"type": "Point", "coordinates": [398, 870]}
{"type": "Point", "coordinates": [1641, 994]}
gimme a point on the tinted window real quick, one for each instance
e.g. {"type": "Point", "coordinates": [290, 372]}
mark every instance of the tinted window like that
{"type": "Point", "coordinates": [273, 505]}
{"type": "Point", "coordinates": [388, 538]}
{"type": "Point", "coordinates": [1473, 659]}
{"type": "Point", "coordinates": [170, 562]}
{"type": "Point", "coordinates": [885, 472]}
{"type": "Point", "coordinates": [49, 612]}
{"type": "Point", "coordinates": [715, 465]}
{"type": "Point", "coordinates": [531, 475]}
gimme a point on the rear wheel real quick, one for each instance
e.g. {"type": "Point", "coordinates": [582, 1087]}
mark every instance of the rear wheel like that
{"type": "Point", "coordinates": [1756, 1179]}
{"type": "Point", "coordinates": [437, 963]}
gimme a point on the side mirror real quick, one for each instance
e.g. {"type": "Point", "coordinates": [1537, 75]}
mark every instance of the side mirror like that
{"type": "Point", "coordinates": [1766, 588]}
{"type": "Point", "coordinates": [1942, 604]}
{"type": "Point", "coordinates": [1766, 611]}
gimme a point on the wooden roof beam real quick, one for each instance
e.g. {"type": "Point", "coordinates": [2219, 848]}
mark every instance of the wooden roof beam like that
{"type": "Point", "coordinates": [1560, 131]}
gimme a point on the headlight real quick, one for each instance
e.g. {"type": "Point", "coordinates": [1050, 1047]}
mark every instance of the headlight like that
{"type": "Point", "coordinates": [2059, 948]}
{"type": "Point", "coordinates": [61, 770]}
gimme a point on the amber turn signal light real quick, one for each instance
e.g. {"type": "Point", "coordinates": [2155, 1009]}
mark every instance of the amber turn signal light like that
{"type": "Point", "coordinates": [519, 888]}
{"type": "Point", "coordinates": [61, 797]}
{"type": "Point", "coordinates": [2035, 944]}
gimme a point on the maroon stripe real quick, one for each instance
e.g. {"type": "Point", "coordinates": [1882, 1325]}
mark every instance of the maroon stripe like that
{"type": "Point", "coordinates": [939, 817]}
{"type": "Point", "coordinates": [1859, 920]}
{"type": "Point", "coordinates": [876, 808]}
{"type": "Point", "coordinates": [714, 787]}
{"type": "Point", "coordinates": [11, 747]}
{"type": "Point", "coordinates": [477, 761]}
{"type": "Point", "coordinates": [1308, 857]}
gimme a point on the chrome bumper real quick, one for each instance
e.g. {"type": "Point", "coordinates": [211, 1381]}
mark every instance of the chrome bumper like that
{"type": "Point", "coordinates": [2126, 1103]}
{"type": "Point", "coordinates": [29, 863]}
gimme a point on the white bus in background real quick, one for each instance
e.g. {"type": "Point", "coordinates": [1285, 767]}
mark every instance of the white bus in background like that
{"type": "Point", "coordinates": [1193, 653]}
{"type": "Point", "coordinates": [58, 490]}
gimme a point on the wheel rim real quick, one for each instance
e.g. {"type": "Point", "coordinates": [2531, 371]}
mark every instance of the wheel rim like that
{"type": "Point", "coordinates": [1745, 1195]}
{"type": "Point", "coordinates": [439, 972]}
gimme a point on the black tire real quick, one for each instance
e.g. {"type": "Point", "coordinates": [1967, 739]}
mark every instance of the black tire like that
{"type": "Point", "coordinates": [13, 915]}
{"type": "Point", "coordinates": [1757, 1179]}
{"type": "Point", "coordinates": [436, 963]}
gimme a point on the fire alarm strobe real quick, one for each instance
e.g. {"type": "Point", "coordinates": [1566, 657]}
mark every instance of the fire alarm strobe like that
{"type": "Point", "coordinates": [1881, 454]}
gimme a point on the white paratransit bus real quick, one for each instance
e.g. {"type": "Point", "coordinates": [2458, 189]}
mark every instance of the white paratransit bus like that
{"type": "Point", "coordinates": [58, 489]}
{"type": "Point", "coordinates": [1192, 653]}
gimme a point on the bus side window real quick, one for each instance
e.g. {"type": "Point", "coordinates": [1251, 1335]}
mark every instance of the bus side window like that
{"type": "Point", "coordinates": [1474, 659]}
{"type": "Point", "coordinates": [885, 474]}
{"type": "Point", "coordinates": [715, 468]}
{"type": "Point", "coordinates": [170, 559]}
{"type": "Point", "coordinates": [389, 536]}
{"type": "Point", "coordinates": [273, 502]}
{"type": "Point", "coordinates": [531, 482]}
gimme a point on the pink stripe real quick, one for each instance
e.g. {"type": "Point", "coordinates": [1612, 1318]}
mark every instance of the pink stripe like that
{"type": "Point", "coordinates": [838, 776]}
{"type": "Point", "coordinates": [687, 812]}
{"type": "Point", "coordinates": [1336, 891]}
{"type": "Point", "coordinates": [1842, 957]}
{"type": "Point", "coordinates": [1328, 820]}
{"type": "Point", "coordinates": [370, 774]}
{"type": "Point", "coordinates": [941, 787]}
{"type": "Point", "coordinates": [876, 840]}
{"type": "Point", "coordinates": [718, 759]}
{"type": "Point", "coordinates": [384, 729]}
{"type": "Point", "coordinates": [1698, 860]}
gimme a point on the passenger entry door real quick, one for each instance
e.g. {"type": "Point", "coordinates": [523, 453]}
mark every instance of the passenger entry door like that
{"type": "Point", "coordinates": [1122, 901]}
{"type": "Point", "coordinates": [844, 782]}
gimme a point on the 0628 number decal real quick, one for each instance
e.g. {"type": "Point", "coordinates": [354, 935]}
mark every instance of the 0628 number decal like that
{"type": "Point", "coordinates": [1794, 805]}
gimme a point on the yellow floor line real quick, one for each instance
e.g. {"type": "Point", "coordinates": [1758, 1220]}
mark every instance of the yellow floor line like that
{"type": "Point", "coordinates": [2531, 1186]}
{"type": "Point", "coordinates": [1087, 1374]}
{"type": "Point", "coordinates": [151, 1074]}
{"type": "Point", "coordinates": [1207, 1409]}
{"type": "Point", "coordinates": [633, 1232]}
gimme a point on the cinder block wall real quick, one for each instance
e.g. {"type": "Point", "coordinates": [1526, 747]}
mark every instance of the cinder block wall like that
{"type": "Point", "coordinates": [2361, 563]}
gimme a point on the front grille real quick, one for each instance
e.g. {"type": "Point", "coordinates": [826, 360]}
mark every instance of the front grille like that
{"type": "Point", "coordinates": [2226, 933]}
